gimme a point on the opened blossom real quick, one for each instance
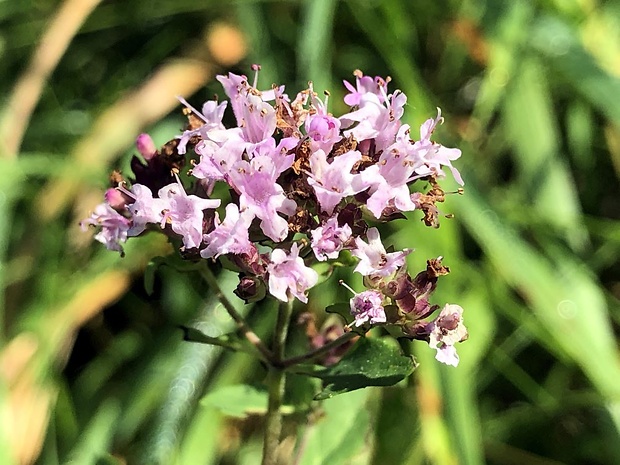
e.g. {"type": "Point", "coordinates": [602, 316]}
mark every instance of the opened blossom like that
{"type": "Point", "coordinates": [262, 196]}
{"type": "Point", "coordinates": [333, 181]}
{"type": "Point", "coordinates": [113, 226]}
{"type": "Point", "coordinates": [184, 213]}
{"type": "Point", "coordinates": [289, 276]}
{"type": "Point", "coordinates": [388, 181]}
{"type": "Point", "coordinates": [445, 331]}
{"type": "Point", "coordinates": [433, 155]}
{"type": "Point", "coordinates": [364, 85]}
{"type": "Point", "coordinates": [374, 260]}
{"type": "Point", "coordinates": [230, 235]}
{"type": "Point", "coordinates": [329, 239]}
{"type": "Point", "coordinates": [211, 115]}
{"type": "Point", "coordinates": [255, 117]}
{"type": "Point", "coordinates": [145, 209]}
{"type": "Point", "coordinates": [367, 307]}
{"type": "Point", "coordinates": [377, 118]}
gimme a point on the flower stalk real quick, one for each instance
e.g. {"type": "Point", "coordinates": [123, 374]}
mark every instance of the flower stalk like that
{"type": "Point", "coordinates": [275, 386]}
{"type": "Point", "coordinates": [265, 354]}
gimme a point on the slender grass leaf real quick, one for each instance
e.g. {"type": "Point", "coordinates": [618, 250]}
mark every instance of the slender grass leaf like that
{"type": "Point", "coordinates": [314, 45]}
{"type": "Point", "coordinates": [563, 296]}
{"type": "Point", "coordinates": [560, 46]}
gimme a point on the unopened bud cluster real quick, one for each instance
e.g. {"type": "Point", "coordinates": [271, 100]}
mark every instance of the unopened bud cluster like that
{"type": "Point", "coordinates": [301, 186]}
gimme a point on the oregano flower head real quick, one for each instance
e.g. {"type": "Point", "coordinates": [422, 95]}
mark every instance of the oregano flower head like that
{"type": "Point", "coordinates": [301, 186]}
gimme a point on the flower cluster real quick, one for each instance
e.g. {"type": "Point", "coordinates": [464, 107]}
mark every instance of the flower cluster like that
{"type": "Point", "coordinates": [301, 185]}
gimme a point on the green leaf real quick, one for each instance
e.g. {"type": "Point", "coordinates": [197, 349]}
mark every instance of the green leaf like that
{"type": "Point", "coordinates": [371, 362]}
{"type": "Point", "coordinates": [237, 401]}
{"type": "Point", "coordinates": [343, 309]}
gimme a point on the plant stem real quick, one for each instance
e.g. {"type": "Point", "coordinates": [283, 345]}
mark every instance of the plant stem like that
{"type": "Point", "coordinates": [275, 382]}
{"type": "Point", "coordinates": [320, 351]}
{"type": "Point", "coordinates": [251, 336]}
{"type": "Point", "coordinates": [285, 310]}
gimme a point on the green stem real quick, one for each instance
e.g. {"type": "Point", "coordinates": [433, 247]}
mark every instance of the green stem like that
{"type": "Point", "coordinates": [320, 351]}
{"type": "Point", "coordinates": [275, 382]}
{"type": "Point", "coordinates": [251, 336]}
{"type": "Point", "coordinates": [285, 310]}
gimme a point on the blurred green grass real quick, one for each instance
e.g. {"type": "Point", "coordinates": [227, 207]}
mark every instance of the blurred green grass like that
{"type": "Point", "coordinates": [92, 370]}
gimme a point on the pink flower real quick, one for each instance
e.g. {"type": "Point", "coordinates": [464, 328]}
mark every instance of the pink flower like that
{"type": "Point", "coordinates": [258, 119]}
{"type": "Point", "coordinates": [333, 181]}
{"type": "Point", "coordinates": [323, 131]}
{"type": "Point", "coordinates": [255, 117]}
{"type": "Point", "coordinates": [389, 178]}
{"type": "Point", "coordinates": [212, 114]}
{"type": "Point", "coordinates": [378, 116]}
{"type": "Point", "coordinates": [145, 209]}
{"type": "Point", "coordinates": [445, 331]}
{"type": "Point", "coordinates": [216, 160]}
{"type": "Point", "coordinates": [329, 239]}
{"type": "Point", "coordinates": [114, 226]}
{"type": "Point", "coordinates": [115, 199]}
{"type": "Point", "coordinates": [262, 196]}
{"type": "Point", "coordinates": [322, 128]}
{"type": "Point", "coordinates": [363, 85]}
{"type": "Point", "coordinates": [279, 154]}
{"type": "Point", "coordinates": [434, 155]}
{"type": "Point", "coordinates": [229, 236]}
{"type": "Point", "coordinates": [185, 212]}
{"type": "Point", "coordinates": [233, 85]}
{"type": "Point", "coordinates": [374, 260]}
{"type": "Point", "coordinates": [367, 307]}
{"type": "Point", "coordinates": [371, 116]}
{"type": "Point", "coordinates": [289, 276]}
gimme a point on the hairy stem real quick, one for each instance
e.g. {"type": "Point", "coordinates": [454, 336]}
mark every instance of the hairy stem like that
{"type": "Point", "coordinates": [251, 336]}
{"type": "Point", "coordinates": [275, 382]}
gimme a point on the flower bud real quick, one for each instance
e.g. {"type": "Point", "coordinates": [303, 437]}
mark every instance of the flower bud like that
{"type": "Point", "coordinates": [115, 199]}
{"type": "Point", "coordinates": [146, 146]}
{"type": "Point", "coordinates": [250, 289]}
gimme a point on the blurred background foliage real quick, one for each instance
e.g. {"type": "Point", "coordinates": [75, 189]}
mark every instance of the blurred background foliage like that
{"type": "Point", "coordinates": [93, 369]}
